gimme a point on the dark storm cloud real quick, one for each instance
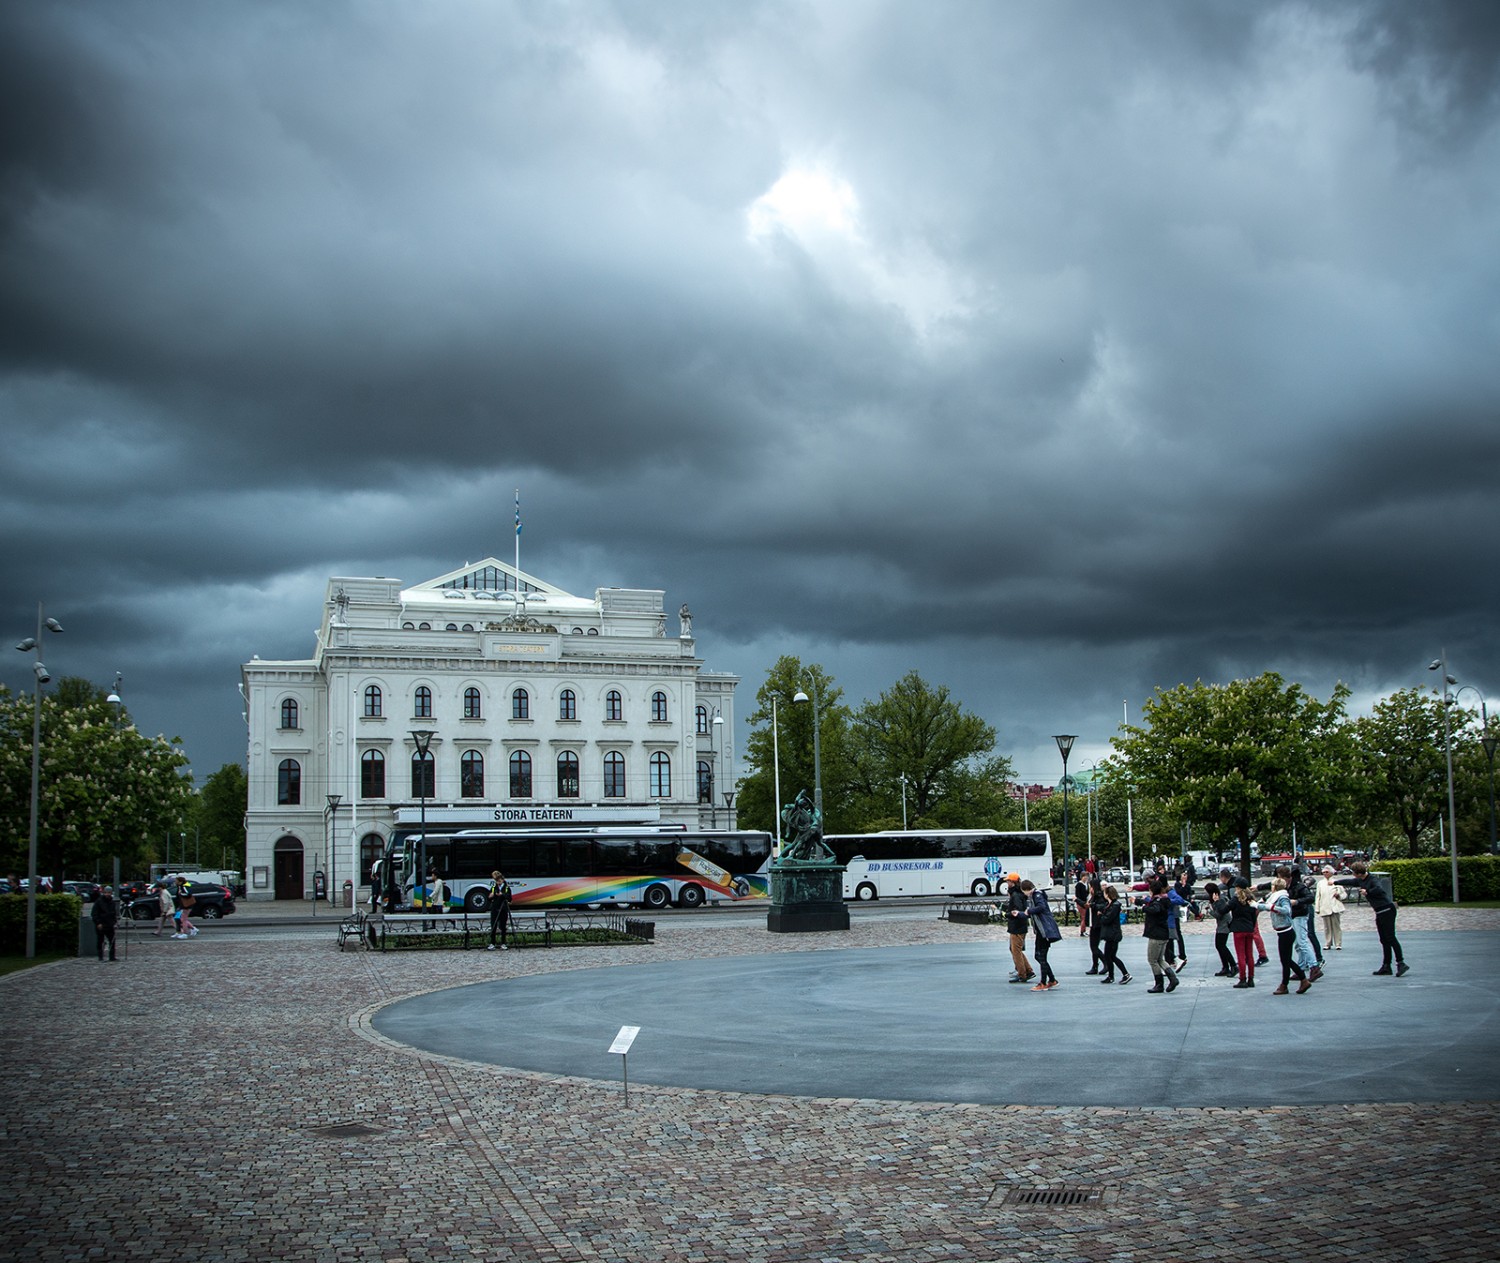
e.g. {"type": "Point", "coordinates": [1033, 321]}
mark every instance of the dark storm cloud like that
{"type": "Point", "coordinates": [1056, 351]}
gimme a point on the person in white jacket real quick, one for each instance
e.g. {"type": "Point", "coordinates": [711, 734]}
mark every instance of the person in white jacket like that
{"type": "Point", "coordinates": [1329, 906]}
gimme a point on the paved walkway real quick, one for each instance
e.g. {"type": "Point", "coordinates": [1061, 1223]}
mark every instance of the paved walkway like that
{"type": "Point", "coordinates": [195, 1084]}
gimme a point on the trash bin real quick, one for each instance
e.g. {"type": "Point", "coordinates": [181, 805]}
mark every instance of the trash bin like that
{"type": "Point", "coordinates": [88, 936]}
{"type": "Point", "coordinates": [1383, 880]}
{"type": "Point", "coordinates": [348, 893]}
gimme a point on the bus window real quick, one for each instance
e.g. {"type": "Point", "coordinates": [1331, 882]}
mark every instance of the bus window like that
{"type": "Point", "coordinates": [544, 861]}
{"type": "Point", "coordinates": [473, 859]}
{"type": "Point", "coordinates": [576, 857]}
{"type": "Point", "coordinates": [515, 857]}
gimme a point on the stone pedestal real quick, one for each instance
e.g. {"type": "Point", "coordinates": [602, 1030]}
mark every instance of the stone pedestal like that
{"type": "Point", "coordinates": [807, 897]}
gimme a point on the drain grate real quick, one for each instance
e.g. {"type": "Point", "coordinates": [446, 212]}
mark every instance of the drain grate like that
{"type": "Point", "coordinates": [1055, 1195]}
{"type": "Point", "coordinates": [345, 1131]}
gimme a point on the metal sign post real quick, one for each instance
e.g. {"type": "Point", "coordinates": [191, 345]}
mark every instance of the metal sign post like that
{"type": "Point", "coordinates": [622, 1043]}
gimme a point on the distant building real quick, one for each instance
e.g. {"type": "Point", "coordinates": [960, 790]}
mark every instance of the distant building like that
{"type": "Point", "coordinates": [541, 705]}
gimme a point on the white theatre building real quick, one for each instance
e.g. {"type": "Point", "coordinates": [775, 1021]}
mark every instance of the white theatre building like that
{"type": "Point", "coordinates": [542, 706]}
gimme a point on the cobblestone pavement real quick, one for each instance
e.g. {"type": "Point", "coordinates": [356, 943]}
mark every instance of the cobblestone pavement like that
{"type": "Point", "coordinates": [174, 1105]}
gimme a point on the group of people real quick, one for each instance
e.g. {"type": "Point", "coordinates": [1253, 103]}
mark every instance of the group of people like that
{"type": "Point", "coordinates": [174, 901]}
{"type": "Point", "coordinates": [1292, 902]}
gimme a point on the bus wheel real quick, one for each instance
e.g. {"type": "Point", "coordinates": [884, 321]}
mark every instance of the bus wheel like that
{"type": "Point", "coordinates": [477, 900]}
{"type": "Point", "coordinates": [657, 897]}
{"type": "Point", "coordinates": [691, 895]}
{"type": "Point", "coordinates": [980, 889]}
{"type": "Point", "coordinates": [865, 892]}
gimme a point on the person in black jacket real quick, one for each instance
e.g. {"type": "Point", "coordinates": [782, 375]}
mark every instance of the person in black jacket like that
{"type": "Point", "coordinates": [1096, 904]}
{"type": "Point", "coordinates": [499, 899]}
{"type": "Point", "coordinates": [1110, 935]}
{"type": "Point", "coordinates": [1243, 915]}
{"type": "Point", "coordinates": [1017, 922]}
{"type": "Point", "coordinates": [105, 915]}
{"type": "Point", "coordinates": [1158, 909]}
{"type": "Point", "coordinates": [1384, 908]}
{"type": "Point", "coordinates": [1219, 906]}
{"type": "Point", "coordinates": [1303, 899]}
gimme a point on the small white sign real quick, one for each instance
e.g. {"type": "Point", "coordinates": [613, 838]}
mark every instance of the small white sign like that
{"type": "Point", "coordinates": [624, 1039]}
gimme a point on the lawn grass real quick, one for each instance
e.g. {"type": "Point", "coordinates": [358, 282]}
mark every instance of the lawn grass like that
{"type": "Point", "coordinates": [13, 964]}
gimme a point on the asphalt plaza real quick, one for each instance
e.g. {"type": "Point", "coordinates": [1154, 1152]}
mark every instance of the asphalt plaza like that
{"type": "Point", "coordinates": [941, 1023]}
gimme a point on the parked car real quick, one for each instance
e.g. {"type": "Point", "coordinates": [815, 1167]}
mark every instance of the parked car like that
{"type": "Point", "coordinates": [88, 891]}
{"type": "Point", "coordinates": [212, 903]}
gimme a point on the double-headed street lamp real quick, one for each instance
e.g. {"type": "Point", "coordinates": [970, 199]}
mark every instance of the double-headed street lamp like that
{"type": "Point", "coordinates": [30, 644]}
{"type": "Point", "coordinates": [801, 696]}
{"type": "Point", "coordinates": [1441, 664]}
{"type": "Point", "coordinates": [333, 844]}
{"type": "Point", "coordinates": [422, 737]}
{"type": "Point", "coordinates": [1064, 746]}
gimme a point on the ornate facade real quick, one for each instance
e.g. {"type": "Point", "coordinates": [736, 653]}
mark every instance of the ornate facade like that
{"type": "Point", "coordinates": [539, 705]}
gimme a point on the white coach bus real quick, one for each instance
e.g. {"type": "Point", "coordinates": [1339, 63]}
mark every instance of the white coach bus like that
{"type": "Point", "coordinates": [939, 861]}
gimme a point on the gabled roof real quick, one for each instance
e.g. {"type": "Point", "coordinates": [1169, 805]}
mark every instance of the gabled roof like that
{"type": "Point", "coordinates": [489, 575]}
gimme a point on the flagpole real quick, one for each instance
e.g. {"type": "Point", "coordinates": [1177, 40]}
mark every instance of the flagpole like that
{"type": "Point", "coordinates": [518, 541]}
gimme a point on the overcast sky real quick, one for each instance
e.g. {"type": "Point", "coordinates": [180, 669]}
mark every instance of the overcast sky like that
{"type": "Point", "coordinates": [1058, 351]}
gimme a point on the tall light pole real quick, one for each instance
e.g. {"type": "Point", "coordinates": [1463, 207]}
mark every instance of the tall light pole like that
{"type": "Point", "coordinates": [817, 702]}
{"type": "Point", "coordinates": [1441, 664]}
{"type": "Point", "coordinates": [1064, 746]}
{"type": "Point", "coordinates": [1487, 740]}
{"type": "Point", "coordinates": [423, 739]}
{"type": "Point", "coordinates": [42, 677]}
{"type": "Point", "coordinates": [716, 740]}
{"type": "Point", "coordinates": [333, 843]}
{"type": "Point", "coordinates": [903, 802]}
{"type": "Point", "coordinates": [776, 774]}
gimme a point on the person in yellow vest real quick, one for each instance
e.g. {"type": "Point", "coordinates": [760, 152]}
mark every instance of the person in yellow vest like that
{"type": "Point", "coordinates": [500, 895]}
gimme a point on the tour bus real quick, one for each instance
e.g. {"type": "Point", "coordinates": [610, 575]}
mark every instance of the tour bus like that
{"type": "Point", "coordinates": [548, 867]}
{"type": "Point", "coordinates": [939, 861]}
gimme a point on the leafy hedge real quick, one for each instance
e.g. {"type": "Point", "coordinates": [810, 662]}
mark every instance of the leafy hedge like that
{"type": "Point", "coordinates": [1431, 880]}
{"type": "Point", "coordinates": [56, 924]}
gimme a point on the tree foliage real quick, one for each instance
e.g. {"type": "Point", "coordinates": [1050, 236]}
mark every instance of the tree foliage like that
{"type": "Point", "coordinates": [104, 789]}
{"type": "Point", "coordinates": [1240, 758]}
{"type": "Point", "coordinates": [792, 747]}
{"type": "Point", "coordinates": [219, 820]}
{"type": "Point", "coordinates": [1405, 771]}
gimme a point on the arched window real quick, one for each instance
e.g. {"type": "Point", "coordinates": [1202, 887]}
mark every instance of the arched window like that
{"type": "Point", "coordinates": [661, 775]}
{"type": "Point", "coordinates": [705, 781]}
{"type": "Point", "coordinates": [614, 775]}
{"type": "Point", "coordinates": [473, 708]}
{"type": "Point", "coordinates": [658, 707]}
{"type": "Point", "coordinates": [372, 774]}
{"type": "Point", "coordinates": [471, 775]}
{"type": "Point", "coordinates": [520, 704]}
{"type": "Point", "coordinates": [371, 848]}
{"type": "Point", "coordinates": [567, 775]}
{"type": "Point", "coordinates": [614, 706]}
{"type": "Point", "coordinates": [520, 774]}
{"type": "Point", "coordinates": [289, 712]}
{"type": "Point", "coordinates": [451, 627]}
{"type": "Point", "coordinates": [289, 783]}
{"type": "Point", "coordinates": [567, 705]}
{"type": "Point", "coordinates": [423, 776]}
{"type": "Point", "coordinates": [422, 703]}
{"type": "Point", "coordinates": [372, 702]}
{"type": "Point", "coordinates": [700, 716]}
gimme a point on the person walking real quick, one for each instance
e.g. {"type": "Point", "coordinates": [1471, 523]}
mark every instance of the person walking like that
{"type": "Point", "coordinates": [165, 909]}
{"type": "Point", "coordinates": [105, 915]}
{"type": "Point", "coordinates": [1279, 905]}
{"type": "Point", "coordinates": [1220, 907]}
{"type": "Point", "coordinates": [1081, 902]}
{"type": "Point", "coordinates": [1180, 894]}
{"type": "Point", "coordinates": [1110, 933]}
{"type": "Point", "coordinates": [1301, 896]}
{"type": "Point", "coordinates": [1243, 915]}
{"type": "Point", "coordinates": [1158, 934]}
{"type": "Point", "coordinates": [1047, 933]}
{"type": "Point", "coordinates": [1017, 922]}
{"type": "Point", "coordinates": [185, 900]}
{"type": "Point", "coordinates": [1236, 881]}
{"type": "Point", "coordinates": [500, 895]}
{"type": "Point", "coordinates": [1384, 908]}
{"type": "Point", "coordinates": [1096, 924]}
{"type": "Point", "coordinates": [1328, 902]}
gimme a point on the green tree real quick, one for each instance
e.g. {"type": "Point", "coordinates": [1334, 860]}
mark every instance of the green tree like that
{"type": "Point", "coordinates": [919, 733]}
{"type": "Point", "coordinates": [756, 800]}
{"type": "Point", "coordinates": [104, 790]}
{"type": "Point", "coordinates": [1404, 772]}
{"type": "Point", "coordinates": [220, 817]}
{"type": "Point", "coordinates": [1241, 757]}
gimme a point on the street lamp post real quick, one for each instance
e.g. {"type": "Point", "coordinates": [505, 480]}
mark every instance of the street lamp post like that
{"type": "Point", "coordinates": [1064, 747]}
{"type": "Point", "coordinates": [423, 739]}
{"type": "Point", "coordinates": [1487, 740]}
{"type": "Point", "coordinates": [801, 696]}
{"type": "Point", "coordinates": [716, 741]}
{"type": "Point", "coordinates": [1441, 664]}
{"type": "Point", "coordinates": [333, 844]}
{"type": "Point", "coordinates": [42, 677]}
{"type": "Point", "coordinates": [903, 802]}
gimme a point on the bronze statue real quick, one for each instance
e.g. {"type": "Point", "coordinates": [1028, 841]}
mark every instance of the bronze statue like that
{"type": "Point", "coordinates": [802, 832]}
